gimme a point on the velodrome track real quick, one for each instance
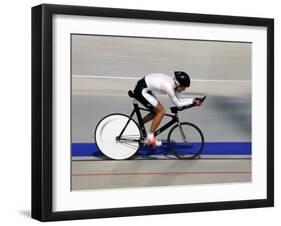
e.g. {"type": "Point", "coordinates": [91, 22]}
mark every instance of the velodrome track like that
{"type": "Point", "coordinates": [104, 68]}
{"type": "Point", "coordinates": [142, 173]}
{"type": "Point", "coordinates": [224, 117]}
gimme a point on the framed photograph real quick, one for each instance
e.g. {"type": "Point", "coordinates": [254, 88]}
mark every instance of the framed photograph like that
{"type": "Point", "coordinates": [146, 112]}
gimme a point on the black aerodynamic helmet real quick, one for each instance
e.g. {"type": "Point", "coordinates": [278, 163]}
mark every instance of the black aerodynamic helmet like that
{"type": "Point", "coordinates": [182, 78]}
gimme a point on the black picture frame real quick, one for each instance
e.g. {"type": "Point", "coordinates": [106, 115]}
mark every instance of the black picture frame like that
{"type": "Point", "coordinates": [42, 107]}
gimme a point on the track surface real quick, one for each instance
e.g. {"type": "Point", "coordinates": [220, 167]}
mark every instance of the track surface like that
{"type": "Point", "coordinates": [142, 173]}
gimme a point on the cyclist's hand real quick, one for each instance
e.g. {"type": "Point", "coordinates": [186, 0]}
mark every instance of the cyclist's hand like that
{"type": "Point", "coordinates": [197, 102]}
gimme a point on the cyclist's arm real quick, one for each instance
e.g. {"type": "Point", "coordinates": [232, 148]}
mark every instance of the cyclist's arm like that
{"type": "Point", "coordinates": [178, 95]}
{"type": "Point", "coordinates": [178, 100]}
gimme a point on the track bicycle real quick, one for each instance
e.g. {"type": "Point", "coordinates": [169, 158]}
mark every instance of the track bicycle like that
{"type": "Point", "coordinates": [119, 136]}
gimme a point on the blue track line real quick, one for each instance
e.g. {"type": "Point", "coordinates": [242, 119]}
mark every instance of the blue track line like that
{"type": "Point", "coordinates": [211, 148]}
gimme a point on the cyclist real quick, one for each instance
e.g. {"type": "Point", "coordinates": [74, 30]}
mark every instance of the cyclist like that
{"type": "Point", "coordinates": [164, 84]}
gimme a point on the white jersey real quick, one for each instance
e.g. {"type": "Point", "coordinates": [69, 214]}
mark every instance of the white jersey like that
{"type": "Point", "coordinates": [164, 84]}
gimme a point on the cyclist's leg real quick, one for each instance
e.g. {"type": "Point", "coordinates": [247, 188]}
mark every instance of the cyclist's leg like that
{"type": "Point", "coordinates": [157, 108]}
{"type": "Point", "coordinates": [149, 100]}
{"type": "Point", "coordinates": [159, 113]}
{"type": "Point", "coordinates": [145, 97]}
{"type": "Point", "coordinates": [148, 117]}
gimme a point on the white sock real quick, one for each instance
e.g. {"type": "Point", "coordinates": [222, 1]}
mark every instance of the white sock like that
{"type": "Point", "coordinates": [150, 136]}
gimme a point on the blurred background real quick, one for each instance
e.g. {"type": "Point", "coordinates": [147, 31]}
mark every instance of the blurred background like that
{"type": "Point", "coordinates": [104, 68]}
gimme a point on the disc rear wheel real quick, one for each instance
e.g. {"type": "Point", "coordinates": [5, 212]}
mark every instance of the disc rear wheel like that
{"type": "Point", "coordinates": [107, 132]}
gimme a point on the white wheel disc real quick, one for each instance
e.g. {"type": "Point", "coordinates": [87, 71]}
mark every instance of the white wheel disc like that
{"type": "Point", "coordinates": [107, 131]}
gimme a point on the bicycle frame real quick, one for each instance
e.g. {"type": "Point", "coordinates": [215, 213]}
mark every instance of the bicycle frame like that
{"type": "Point", "coordinates": [136, 111]}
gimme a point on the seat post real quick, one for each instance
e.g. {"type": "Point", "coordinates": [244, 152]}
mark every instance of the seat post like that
{"type": "Point", "coordinates": [141, 124]}
{"type": "Point", "coordinates": [134, 101]}
{"type": "Point", "coordinates": [137, 111]}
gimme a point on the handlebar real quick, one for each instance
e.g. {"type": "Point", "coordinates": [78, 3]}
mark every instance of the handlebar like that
{"type": "Point", "coordinates": [201, 99]}
{"type": "Point", "coordinates": [176, 109]}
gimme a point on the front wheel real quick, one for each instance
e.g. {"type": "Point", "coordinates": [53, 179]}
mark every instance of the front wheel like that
{"type": "Point", "coordinates": [186, 141]}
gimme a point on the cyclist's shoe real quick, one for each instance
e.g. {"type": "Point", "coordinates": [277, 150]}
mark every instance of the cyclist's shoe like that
{"type": "Point", "coordinates": [153, 142]}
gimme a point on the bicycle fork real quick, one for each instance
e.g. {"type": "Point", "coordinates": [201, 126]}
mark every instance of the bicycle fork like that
{"type": "Point", "coordinates": [181, 130]}
{"type": "Point", "coordinates": [182, 133]}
